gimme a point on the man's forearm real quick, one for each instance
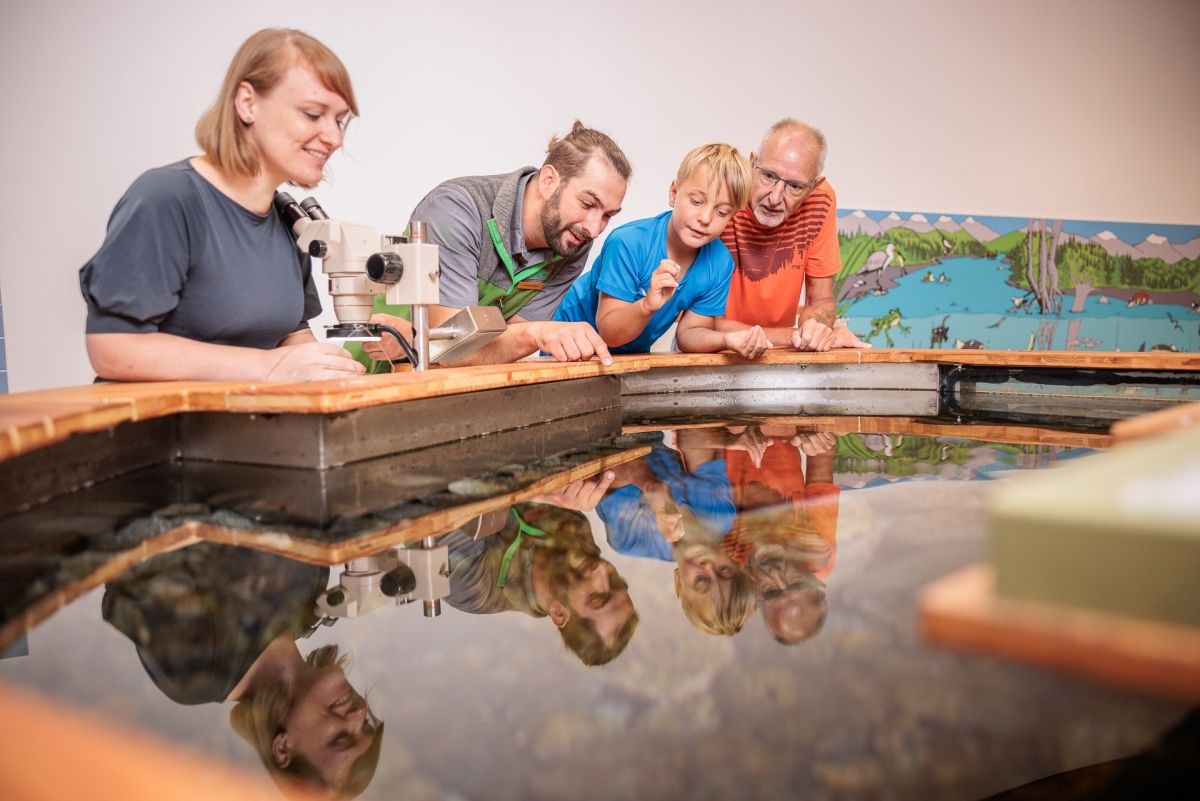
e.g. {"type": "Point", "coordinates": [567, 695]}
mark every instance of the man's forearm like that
{"type": "Point", "coordinates": [511, 346]}
{"type": "Point", "coordinates": [820, 469]}
{"type": "Point", "coordinates": [823, 311]}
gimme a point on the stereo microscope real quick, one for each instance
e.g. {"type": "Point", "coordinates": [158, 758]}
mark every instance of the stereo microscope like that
{"type": "Point", "coordinates": [361, 264]}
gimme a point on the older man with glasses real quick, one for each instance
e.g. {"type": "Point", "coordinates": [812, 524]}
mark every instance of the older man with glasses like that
{"type": "Point", "coordinates": [785, 246]}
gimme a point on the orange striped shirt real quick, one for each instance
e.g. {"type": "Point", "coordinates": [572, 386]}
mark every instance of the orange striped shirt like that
{"type": "Point", "coordinates": [780, 480]}
{"type": "Point", "coordinates": [773, 263]}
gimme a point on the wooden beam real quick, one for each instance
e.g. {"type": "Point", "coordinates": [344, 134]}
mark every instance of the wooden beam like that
{"type": "Point", "coordinates": [33, 420]}
{"type": "Point", "coordinates": [963, 611]}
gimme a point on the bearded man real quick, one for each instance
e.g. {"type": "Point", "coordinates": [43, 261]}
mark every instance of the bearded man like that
{"type": "Point", "coordinates": [518, 240]}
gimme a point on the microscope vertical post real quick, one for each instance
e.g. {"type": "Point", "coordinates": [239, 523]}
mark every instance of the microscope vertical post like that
{"type": "Point", "coordinates": [420, 312]}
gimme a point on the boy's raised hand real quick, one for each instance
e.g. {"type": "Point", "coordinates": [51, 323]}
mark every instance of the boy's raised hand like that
{"type": "Point", "coordinates": [751, 343]}
{"type": "Point", "coordinates": [663, 282]}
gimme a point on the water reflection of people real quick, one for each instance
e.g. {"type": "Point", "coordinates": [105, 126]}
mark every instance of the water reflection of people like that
{"type": "Point", "coordinates": [732, 507]}
{"type": "Point", "coordinates": [545, 563]}
{"type": "Point", "coordinates": [216, 623]}
{"type": "Point", "coordinates": [660, 508]}
{"type": "Point", "coordinates": [786, 529]}
{"type": "Point", "coordinates": [791, 596]}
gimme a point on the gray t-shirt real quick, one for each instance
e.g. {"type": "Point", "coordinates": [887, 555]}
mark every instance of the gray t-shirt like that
{"type": "Point", "coordinates": [182, 258]}
{"type": "Point", "coordinates": [453, 222]}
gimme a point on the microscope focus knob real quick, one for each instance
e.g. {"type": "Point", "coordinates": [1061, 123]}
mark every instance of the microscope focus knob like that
{"type": "Point", "coordinates": [400, 580]}
{"type": "Point", "coordinates": [318, 249]}
{"type": "Point", "coordinates": [385, 268]}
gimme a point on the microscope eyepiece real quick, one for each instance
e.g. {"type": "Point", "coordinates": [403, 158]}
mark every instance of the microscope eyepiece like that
{"type": "Point", "coordinates": [289, 208]}
{"type": "Point", "coordinates": [313, 208]}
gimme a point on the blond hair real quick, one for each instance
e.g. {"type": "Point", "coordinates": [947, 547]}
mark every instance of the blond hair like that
{"type": "Point", "coordinates": [259, 717]}
{"type": "Point", "coordinates": [727, 166]}
{"type": "Point", "coordinates": [727, 620]}
{"type": "Point", "coordinates": [262, 61]}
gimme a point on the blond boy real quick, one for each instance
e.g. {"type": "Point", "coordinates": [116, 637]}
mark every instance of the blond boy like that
{"type": "Point", "coordinates": [653, 272]}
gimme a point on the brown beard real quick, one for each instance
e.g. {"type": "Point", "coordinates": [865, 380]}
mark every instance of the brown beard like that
{"type": "Point", "coordinates": [553, 229]}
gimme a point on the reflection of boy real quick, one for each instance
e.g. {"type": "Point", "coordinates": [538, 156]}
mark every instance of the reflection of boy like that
{"type": "Point", "coordinates": [641, 511]}
{"type": "Point", "coordinates": [659, 509]}
{"type": "Point", "coordinates": [546, 564]}
{"type": "Point", "coordinates": [792, 599]}
{"type": "Point", "coordinates": [651, 271]}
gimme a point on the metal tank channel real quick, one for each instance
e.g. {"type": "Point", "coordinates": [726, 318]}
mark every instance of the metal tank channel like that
{"type": "Point", "coordinates": [1078, 398]}
{"type": "Point", "coordinates": [904, 389]}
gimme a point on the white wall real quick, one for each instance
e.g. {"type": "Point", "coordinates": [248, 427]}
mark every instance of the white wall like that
{"type": "Point", "coordinates": [1085, 110]}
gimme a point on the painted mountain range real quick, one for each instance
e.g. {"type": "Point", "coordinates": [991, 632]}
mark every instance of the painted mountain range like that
{"type": "Point", "coordinates": [1154, 245]}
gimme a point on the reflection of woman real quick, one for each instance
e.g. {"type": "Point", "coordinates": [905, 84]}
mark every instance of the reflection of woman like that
{"type": "Point", "coordinates": [213, 623]}
{"type": "Point", "coordinates": [198, 277]}
{"type": "Point", "coordinates": [305, 720]}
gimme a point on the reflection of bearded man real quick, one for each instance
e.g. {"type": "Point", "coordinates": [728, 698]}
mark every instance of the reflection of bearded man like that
{"type": "Point", "coordinates": [792, 599]}
{"type": "Point", "coordinates": [546, 564]}
{"type": "Point", "coordinates": [601, 619]}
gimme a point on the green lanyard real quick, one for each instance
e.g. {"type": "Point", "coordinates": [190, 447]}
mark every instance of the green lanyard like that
{"type": "Point", "coordinates": [501, 251]}
{"type": "Point", "coordinates": [523, 530]}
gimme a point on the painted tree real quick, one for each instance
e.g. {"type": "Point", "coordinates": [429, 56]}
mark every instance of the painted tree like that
{"type": "Point", "coordinates": [1041, 268]}
{"type": "Point", "coordinates": [1051, 262]}
{"type": "Point", "coordinates": [1029, 232]}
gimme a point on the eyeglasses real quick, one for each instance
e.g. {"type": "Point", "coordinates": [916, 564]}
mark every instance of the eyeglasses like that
{"type": "Point", "coordinates": [791, 188]}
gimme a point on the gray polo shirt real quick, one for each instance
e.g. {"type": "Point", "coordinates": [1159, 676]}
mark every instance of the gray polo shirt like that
{"type": "Point", "coordinates": [452, 219]}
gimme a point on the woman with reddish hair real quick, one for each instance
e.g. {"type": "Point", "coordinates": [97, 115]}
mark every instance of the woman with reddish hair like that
{"type": "Point", "coordinates": [198, 276]}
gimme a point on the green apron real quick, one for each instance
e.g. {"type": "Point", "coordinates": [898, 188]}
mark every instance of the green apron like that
{"type": "Point", "coordinates": [523, 530]}
{"type": "Point", "coordinates": [510, 301]}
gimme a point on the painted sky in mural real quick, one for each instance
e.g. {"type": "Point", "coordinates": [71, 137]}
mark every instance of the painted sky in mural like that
{"type": "Point", "coordinates": [912, 279]}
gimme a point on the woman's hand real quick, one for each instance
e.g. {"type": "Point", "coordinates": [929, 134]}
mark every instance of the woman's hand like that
{"type": "Point", "coordinates": [314, 361]}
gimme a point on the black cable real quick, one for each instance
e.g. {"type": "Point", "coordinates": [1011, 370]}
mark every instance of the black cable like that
{"type": "Point", "coordinates": [404, 345]}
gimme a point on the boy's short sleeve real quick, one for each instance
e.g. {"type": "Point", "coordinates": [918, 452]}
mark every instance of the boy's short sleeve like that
{"type": "Point", "coordinates": [135, 279]}
{"type": "Point", "coordinates": [711, 302]}
{"type": "Point", "coordinates": [629, 521]}
{"type": "Point", "coordinates": [621, 268]}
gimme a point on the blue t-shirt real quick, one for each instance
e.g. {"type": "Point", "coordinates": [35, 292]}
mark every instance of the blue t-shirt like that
{"type": "Point", "coordinates": [629, 257]}
{"type": "Point", "coordinates": [632, 529]}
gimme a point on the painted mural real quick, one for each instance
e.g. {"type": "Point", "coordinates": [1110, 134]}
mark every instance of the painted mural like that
{"type": "Point", "coordinates": [912, 280]}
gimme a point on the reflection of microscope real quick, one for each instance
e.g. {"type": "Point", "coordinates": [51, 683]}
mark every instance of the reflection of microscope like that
{"type": "Point", "coordinates": [389, 578]}
{"type": "Point", "coordinates": [361, 264]}
{"type": "Point", "coordinates": [396, 576]}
